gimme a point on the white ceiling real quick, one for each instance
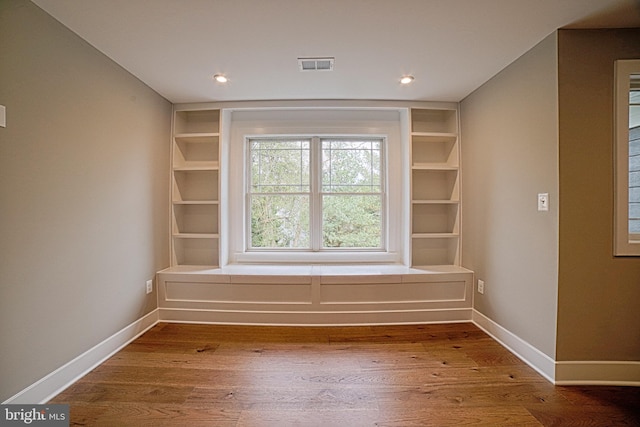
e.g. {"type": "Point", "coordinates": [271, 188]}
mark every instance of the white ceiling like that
{"type": "Point", "coordinates": [450, 46]}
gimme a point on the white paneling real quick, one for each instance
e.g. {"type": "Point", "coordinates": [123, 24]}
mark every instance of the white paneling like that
{"type": "Point", "coordinates": [394, 292]}
{"type": "Point", "coordinates": [237, 292]}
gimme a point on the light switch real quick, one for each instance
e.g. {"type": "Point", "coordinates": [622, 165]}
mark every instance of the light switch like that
{"type": "Point", "coordinates": [543, 202]}
{"type": "Point", "coordinates": [3, 116]}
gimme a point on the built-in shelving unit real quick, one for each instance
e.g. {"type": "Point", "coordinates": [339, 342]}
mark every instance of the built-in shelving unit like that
{"type": "Point", "coordinates": [435, 187]}
{"type": "Point", "coordinates": [201, 285]}
{"type": "Point", "coordinates": [195, 190]}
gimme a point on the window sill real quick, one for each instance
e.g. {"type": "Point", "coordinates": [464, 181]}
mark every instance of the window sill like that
{"type": "Point", "coordinates": [308, 258]}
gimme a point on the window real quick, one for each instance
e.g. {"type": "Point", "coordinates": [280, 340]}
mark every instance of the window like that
{"type": "Point", "coordinates": [313, 224]}
{"type": "Point", "coordinates": [627, 128]}
{"type": "Point", "coordinates": [634, 158]}
{"type": "Point", "coordinates": [315, 193]}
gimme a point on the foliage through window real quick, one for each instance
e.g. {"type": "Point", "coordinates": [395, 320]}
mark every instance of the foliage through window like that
{"type": "Point", "coordinates": [316, 193]}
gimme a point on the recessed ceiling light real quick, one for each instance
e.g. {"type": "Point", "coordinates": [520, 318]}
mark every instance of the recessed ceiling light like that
{"type": "Point", "coordinates": [405, 80]}
{"type": "Point", "coordinates": [220, 78]}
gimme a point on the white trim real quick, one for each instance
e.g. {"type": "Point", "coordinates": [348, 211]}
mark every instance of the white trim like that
{"type": "Point", "coordinates": [57, 381]}
{"type": "Point", "coordinates": [351, 257]}
{"type": "Point", "coordinates": [315, 318]}
{"type": "Point", "coordinates": [614, 373]}
{"type": "Point", "coordinates": [322, 121]}
{"type": "Point", "coordinates": [331, 104]}
{"type": "Point", "coordinates": [577, 372]}
{"type": "Point", "coordinates": [530, 355]}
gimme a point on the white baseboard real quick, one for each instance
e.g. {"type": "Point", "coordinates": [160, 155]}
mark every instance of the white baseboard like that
{"type": "Point", "coordinates": [314, 318]}
{"type": "Point", "coordinates": [533, 357]}
{"type": "Point", "coordinates": [614, 373]}
{"type": "Point", "coordinates": [48, 387]}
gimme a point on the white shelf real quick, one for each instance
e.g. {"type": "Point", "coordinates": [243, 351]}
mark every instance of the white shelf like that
{"type": "Point", "coordinates": [435, 202]}
{"type": "Point", "coordinates": [195, 202]}
{"type": "Point", "coordinates": [434, 148]}
{"type": "Point", "coordinates": [434, 167]}
{"type": "Point", "coordinates": [434, 235]}
{"type": "Point", "coordinates": [197, 138]}
{"type": "Point", "coordinates": [197, 151]}
{"type": "Point", "coordinates": [198, 166]}
{"type": "Point", "coordinates": [196, 236]}
{"type": "Point", "coordinates": [440, 135]}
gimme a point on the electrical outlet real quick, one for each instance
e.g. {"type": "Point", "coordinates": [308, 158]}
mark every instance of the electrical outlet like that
{"type": "Point", "coordinates": [480, 286]}
{"type": "Point", "coordinates": [149, 286]}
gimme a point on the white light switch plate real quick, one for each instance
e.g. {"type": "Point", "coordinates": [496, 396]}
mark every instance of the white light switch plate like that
{"type": "Point", "coordinates": [3, 116]}
{"type": "Point", "coordinates": [543, 202]}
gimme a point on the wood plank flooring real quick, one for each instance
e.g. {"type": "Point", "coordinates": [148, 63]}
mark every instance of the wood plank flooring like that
{"type": "Point", "coordinates": [417, 375]}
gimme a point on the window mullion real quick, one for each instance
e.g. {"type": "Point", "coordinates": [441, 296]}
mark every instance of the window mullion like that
{"type": "Point", "coordinates": [316, 197]}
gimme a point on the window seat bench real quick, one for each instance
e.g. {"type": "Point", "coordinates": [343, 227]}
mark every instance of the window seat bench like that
{"type": "Point", "coordinates": [315, 294]}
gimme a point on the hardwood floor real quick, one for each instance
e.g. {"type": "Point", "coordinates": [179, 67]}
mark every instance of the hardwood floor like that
{"type": "Point", "coordinates": [418, 375]}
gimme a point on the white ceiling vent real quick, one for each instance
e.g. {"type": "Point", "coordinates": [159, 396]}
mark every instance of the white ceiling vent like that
{"type": "Point", "coordinates": [316, 64]}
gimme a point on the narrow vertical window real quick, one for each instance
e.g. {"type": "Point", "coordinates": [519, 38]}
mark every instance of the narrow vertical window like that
{"type": "Point", "coordinates": [627, 163]}
{"type": "Point", "coordinates": [634, 156]}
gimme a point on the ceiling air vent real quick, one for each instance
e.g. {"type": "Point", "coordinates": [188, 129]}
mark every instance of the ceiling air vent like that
{"type": "Point", "coordinates": [315, 64]}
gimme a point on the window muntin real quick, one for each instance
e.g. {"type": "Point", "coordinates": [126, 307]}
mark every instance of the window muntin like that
{"type": "Point", "coordinates": [316, 194]}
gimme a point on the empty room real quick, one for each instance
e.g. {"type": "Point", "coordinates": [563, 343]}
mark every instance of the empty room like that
{"type": "Point", "coordinates": [342, 212]}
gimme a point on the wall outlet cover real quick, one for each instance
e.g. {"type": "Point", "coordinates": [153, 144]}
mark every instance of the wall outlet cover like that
{"type": "Point", "coordinates": [543, 202]}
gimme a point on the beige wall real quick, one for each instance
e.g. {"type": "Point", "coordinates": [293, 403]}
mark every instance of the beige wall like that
{"type": "Point", "coordinates": [599, 295]}
{"type": "Point", "coordinates": [83, 196]}
{"type": "Point", "coordinates": [546, 124]}
{"type": "Point", "coordinates": [509, 155]}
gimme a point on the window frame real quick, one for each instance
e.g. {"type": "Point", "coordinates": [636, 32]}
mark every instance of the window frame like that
{"type": "Point", "coordinates": [625, 243]}
{"type": "Point", "coordinates": [316, 194]}
{"type": "Point", "coordinates": [317, 118]}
